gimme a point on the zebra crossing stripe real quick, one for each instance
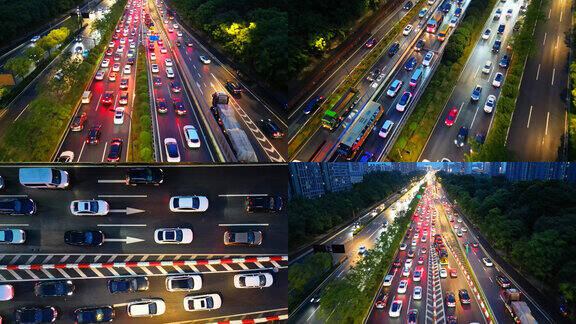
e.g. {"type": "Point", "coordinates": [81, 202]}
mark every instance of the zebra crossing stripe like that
{"type": "Point", "coordinates": [255, 320]}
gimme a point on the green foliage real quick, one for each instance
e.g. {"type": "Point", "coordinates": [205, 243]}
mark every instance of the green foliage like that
{"type": "Point", "coordinates": [35, 53]}
{"type": "Point", "coordinates": [20, 66]}
{"type": "Point", "coordinates": [533, 224]}
{"type": "Point", "coordinates": [303, 276]}
{"type": "Point", "coordinates": [572, 110]}
{"type": "Point", "coordinates": [141, 120]}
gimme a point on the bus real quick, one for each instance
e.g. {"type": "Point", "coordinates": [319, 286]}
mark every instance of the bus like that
{"type": "Point", "coordinates": [443, 32]}
{"type": "Point", "coordinates": [434, 22]}
{"type": "Point", "coordinates": [359, 130]}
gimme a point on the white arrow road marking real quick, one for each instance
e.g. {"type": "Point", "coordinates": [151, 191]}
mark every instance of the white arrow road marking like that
{"type": "Point", "coordinates": [113, 225]}
{"type": "Point", "coordinates": [111, 181]}
{"type": "Point", "coordinates": [127, 240]}
{"type": "Point", "coordinates": [243, 195]}
{"type": "Point", "coordinates": [225, 225]}
{"type": "Point", "coordinates": [127, 210]}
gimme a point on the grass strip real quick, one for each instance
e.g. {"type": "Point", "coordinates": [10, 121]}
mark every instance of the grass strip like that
{"type": "Point", "coordinates": [142, 150]}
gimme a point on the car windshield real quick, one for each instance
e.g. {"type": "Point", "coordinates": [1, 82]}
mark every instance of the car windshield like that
{"type": "Point", "coordinates": [172, 150]}
{"type": "Point", "coordinates": [10, 205]}
{"type": "Point", "coordinates": [6, 236]}
{"type": "Point", "coordinates": [89, 237]}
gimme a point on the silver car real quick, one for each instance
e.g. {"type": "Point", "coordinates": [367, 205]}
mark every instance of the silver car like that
{"type": "Point", "coordinates": [89, 207]}
{"type": "Point", "coordinates": [12, 236]}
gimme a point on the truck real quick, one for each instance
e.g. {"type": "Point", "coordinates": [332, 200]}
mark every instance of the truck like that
{"type": "Point", "coordinates": [518, 309]}
{"type": "Point", "coordinates": [226, 118]}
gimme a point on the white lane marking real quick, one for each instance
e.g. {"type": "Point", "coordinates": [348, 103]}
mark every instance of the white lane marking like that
{"type": "Point", "coordinates": [13, 196]}
{"type": "Point", "coordinates": [227, 225]}
{"type": "Point", "coordinates": [82, 274]}
{"type": "Point", "coordinates": [243, 266]}
{"type": "Point", "coordinates": [104, 151]}
{"type": "Point", "coordinates": [99, 101]}
{"type": "Point", "coordinates": [128, 225]}
{"type": "Point", "coordinates": [31, 274]}
{"type": "Point", "coordinates": [561, 16]}
{"type": "Point", "coordinates": [148, 272]}
{"type": "Point", "coordinates": [114, 272]}
{"type": "Point", "coordinates": [161, 269]}
{"type": "Point", "coordinates": [243, 195]}
{"type": "Point", "coordinates": [529, 116]}
{"type": "Point", "coordinates": [553, 73]}
{"type": "Point", "coordinates": [544, 40]}
{"type": "Point", "coordinates": [97, 272]}
{"type": "Point", "coordinates": [547, 120]}
{"type": "Point", "coordinates": [14, 274]}
{"type": "Point", "coordinates": [48, 274]}
{"type": "Point", "coordinates": [178, 269]}
{"type": "Point", "coordinates": [123, 196]}
{"type": "Point", "coordinates": [198, 86]}
{"type": "Point", "coordinates": [557, 42]}
{"type": "Point", "coordinates": [538, 72]}
{"type": "Point", "coordinates": [5, 225]}
{"type": "Point", "coordinates": [111, 181]}
{"type": "Point", "coordinates": [549, 13]}
{"type": "Point", "coordinates": [23, 110]}
{"type": "Point", "coordinates": [132, 272]}
{"type": "Point", "coordinates": [81, 151]}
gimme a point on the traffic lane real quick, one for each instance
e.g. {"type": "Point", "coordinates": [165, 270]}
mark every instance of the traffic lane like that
{"type": "Point", "coordinates": [233, 299]}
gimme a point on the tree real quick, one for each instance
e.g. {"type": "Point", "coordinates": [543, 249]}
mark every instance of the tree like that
{"type": "Point", "coordinates": [35, 53]}
{"type": "Point", "coordinates": [20, 66]}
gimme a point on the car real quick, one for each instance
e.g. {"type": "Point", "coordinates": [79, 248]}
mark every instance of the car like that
{"type": "Point", "coordinates": [367, 157]}
{"type": "Point", "coordinates": [205, 59]}
{"type": "Point", "coordinates": [402, 286]}
{"type": "Point", "coordinates": [147, 176]}
{"type": "Point", "coordinates": [461, 137]}
{"type": "Point", "coordinates": [453, 22]}
{"type": "Point", "coordinates": [509, 13]}
{"type": "Point", "coordinates": [99, 75]}
{"type": "Point", "coordinates": [407, 30]}
{"type": "Point", "coordinates": [35, 314]}
{"type": "Point", "coordinates": [517, 25]}
{"type": "Point", "coordinates": [503, 281]}
{"type": "Point", "coordinates": [124, 83]}
{"type": "Point", "coordinates": [413, 316]}
{"type": "Point", "coordinates": [54, 288]}
{"type": "Point", "coordinates": [17, 206]}
{"type": "Point", "coordinates": [155, 68]}
{"type": "Point", "coordinates": [420, 260]}
{"type": "Point", "coordinates": [443, 273]}
{"type": "Point", "coordinates": [233, 88]}
{"type": "Point", "coordinates": [410, 63]}
{"type": "Point", "coordinates": [170, 30]}
{"type": "Point", "coordinates": [127, 285]}
{"type": "Point", "coordinates": [490, 104]}
{"type": "Point", "coordinates": [130, 61]}
{"type": "Point", "coordinates": [161, 105]}
{"type": "Point", "coordinates": [168, 62]}
{"type": "Point", "coordinates": [12, 236]}
{"type": "Point", "coordinates": [153, 56]}
{"type": "Point", "coordinates": [247, 238]}
{"type": "Point", "coordinates": [132, 45]}
{"type": "Point", "coordinates": [370, 42]}
{"type": "Point", "coordinates": [453, 273]}
{"type": "Point", "coordinates": [266, 204]}
{"type": "Point", "coordinates": [187, 204]}
{"type": "Point", "coordinates": [123, 100]}
{"type": "Point", "coordinates": [504, 62]}
{"type": "Point", "coordinates": [410, 253]}
{"type": "Point", "coordinates": [498, 80]}
{"type": "Point", "coordinates": [173, 236]}
{"type": "Point", "coordinates": [381, 300]}
{"type": "Point", "coordinates": [417, 275]}
{"type": "Point", "coordinates": [487, 262]}
{"type": "Point", "coordinates": [253, 280]}
{"type": "Point", "coordinates": [313, 105]}
{"type": "Point", "coordinates": [476, 93]}
{"type": "Point", "coordinates": [402, 247]}
{"type": "Point", "coordinates": [172, 153]}
{"type": "Point", "coordinates": [404, 101]}
{"type": "Point", "coordinates": [428, 58]}
{"type": "Point", "coordinates": [271, 129]}
{"type": "Point", "coordinates": [78, 122]}
{"type": "Point", "coordinates": [452, 115]}
{"type": "Point", "coordinates": [408, 5]}
{"type": "Point", "coordinates": [486, 34]}
{"type": "Point", "coordinates": [393, 49]}
{"type": "Point", "coordinates": [119, 116]}
{"type": "Point", "coordinates": [130, 54]}
{"type": "Point", "coordinates": [94, 314]}
{"type": "Point", "coordinates": [475, 244]}
{"type": "Point", "coordinates": [464, 297]}
{"type": "Point", "coordinates": [395, 308]}
{"type": "Point", "coordinates": [202, 302]}
{"type": "Point", "coordinates": [116, 67]}
{"type": "Point", "coordinates": [127, 69]}
{"type": "Point", "coordinates": [496, 47]}
{"type": "Point", "coordinates": [501, 28]}
{"type": "Point", "coordinates": [388, 280]}
{"type": "Point", "coordinates": [452, 320]}
{"type": "Point", "coordinates": [84, 238]}
{"type": "Point", "coordinates": [362, 250]}
{"type": "Point", "coordinates": [35, 39]}
{"type": "Point", "coordinates": [107, 98]}
{"type": "Point", "coordinates": [146, 307]}
{"type": "Point", "coordinates": [105, 63]}
{"type": "Point", "coordinates": [169, 73]}
{"type": "Point", "coordinates": [94, 134]}
{"type": "Point", "coordinates": [423, 249]}
{"type": "Point", "coordinates": [373, 75]}
{"type": "Point", "coordinates": [189, 44]}
{"type": "Point", "coordinates": [183, 283]}
{"type": "Point", "coordinates": [487, 67]}
{"type": "Point", "coordinates": [89, 207]}
{"type": "Point", "coordinates": [112, 77]}
{"type": "Point", "coordinates": [191, 135]}
{"type": "Point", "coordinates": [158, 82]}
{"type": "Point", "coordinates": [395, 86]}
{"type": "Point", "coordinates": [406, 272]}
{"type": "Point", "coordinates": [109, 52]}
{"type": "Point", "coordinates": [115, 150]}
{"type": "Point", "coordinates": [498, 14]}
{"type": "Point", "coordinates": [419, 45]}
{"type": "Point", "coordinates": [450, 299]}
{"type": "Point", "coordinates": [175, 86]}
{"type": "Point", "coordinates": [117, 57]}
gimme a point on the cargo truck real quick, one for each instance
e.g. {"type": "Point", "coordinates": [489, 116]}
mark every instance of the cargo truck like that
{"type": "Point", "coordinates": [518, 309]}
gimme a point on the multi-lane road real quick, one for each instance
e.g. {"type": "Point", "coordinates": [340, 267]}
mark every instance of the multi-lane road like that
{"type": "Point", "coordinates": [135, 213]}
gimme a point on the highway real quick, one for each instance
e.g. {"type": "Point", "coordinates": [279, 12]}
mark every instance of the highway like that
{"type": "Point", "coordinates": [539, 121]}
{"type": "Point", "coordinates": [147, 204]}
{"type": "Point", "coordinates": [206, 79]}
{"type": "Point", "coordinates": [441, 145]}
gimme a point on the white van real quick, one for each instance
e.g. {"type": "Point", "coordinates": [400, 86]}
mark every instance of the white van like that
{"type": "Point", "coordinates": [46, 178]}
{"type": "Point", "coordinates": [86, 96]}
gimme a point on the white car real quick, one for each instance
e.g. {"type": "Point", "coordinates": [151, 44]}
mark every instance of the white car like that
{"type": "Point", "coordinates": [205, 59]}
{"type": "Point", "coordinates": [35, 39]}
{"type": "Point", "coordinates": [464, 229]}
{"type": "Point", "coordinates": [173, 236]}
{"type": "Point", "coordinates": [430, 2]}
{"type": "Point", "coordinates": [163, 50]}
{"type": "Point", "coordinates": [490, 104]}
{"type": "Point", "coordinates": [6, 292]}
{"type": "Point", "coordinates": [487, 67]}
{"type": "Point", "coordinates": [172, 152]}
{"type": "Point", "coordinates": [386, 128]}
{"type": "Point", "coordinates": [111, 44]}
{"type": "Point", "coordinates": [443, 273]}
{"type": "Point", "coordinates": [127, 69]}
{"type": "Point", "coordinates": [155, 68]}
{"type": "Point", "coordinates": [188, 204]}
{"type": "Point", "coordinates": [191, 135]}
{"type": "Point", "coordinates": [428, 58]}
{"type": "Point", "coordinates": [407, 30]}
{"type": "Point", "coordinates": [66, 157]}
{"type": "Point", "coordinates": [175, 26]}
{"type": "Point", "coordinates": [414, 242]}
{"type": "Point", "coordinates": [417, 275]}
{"type": "Point", "coordinates": [486, 34]}
{"type": "Point", "coordinates": [116, 67]}
{"type": "Point", "coordinates": [487, 262]}
{"type": "Point", "coordinates": [170, 30]}
{"type": "Point", "coordinates": [459, 220]}
{"type": "Point", "coordinates": [388, 280]}
{"type": "Point", "coordinates": [119, 116]}
{"type": "Point", "coordinates": [12, 236]}
{"type": "Point", "coordinates": [169, 73]}
{"type": "Point", "coordinates": [362, 250]}
{"type": "Point", "coordinates": [253, 280]}
{"type": "Point", "coordinates": [408, 263]}
{"type": "Point", "coordinates": [179, 33]}
{"type": "Point", "coordinates": [105, 63]}
{"type": "Point", "coordinates": [459, 234]}
{"type": "Point", "coordinates": [402, 286]}
{"type": "Point", "coordinates": [395, 308]}
{"type": "Point", "coordinates": [417, 294]}
{"type": "Point", "coordinates": [184, 283]}
{"type": "Point", "coordinates": [120, 49]}
{"type": "Point", "coordinates": [130, 54]}
{"type": "Point", "coordinates": [202, 302]}
{"type": "Point", "coordinates": [168, 62]}
{"type": "Point", "coordinates": [453, 22]}
{"type": "Point", "coordinates": [89, 207]}
{"type": "Point", "coordinates": [394, 88]}
{"type": "Point", "coordinates": [122, 40]}
{"type": "Point", "coordinates": [132, 45]}
{"type": "Point", "coordinates": [153, 56]}
{"type": "Point", "coordinates": [402, 247]}
{"type": "Point", "coordinates": [406, 272]}
{"type": "Point", "coordinates": [498, 80]}
{"type": "Point", "coordinates": [146, 307]}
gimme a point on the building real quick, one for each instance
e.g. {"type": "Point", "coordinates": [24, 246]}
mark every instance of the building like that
{"type": "Point", "coordinates": [570, 172]}
{"type": "Point", "coordinates": [493, 169]}
{"type": "Point", "coordinates": [357, 171]}
{"type": "Point", "coordinates": [404, 167]}
{"type": "Point", "coordinates": [519, 171]}
{"type": "Point", "coordinates": [306, 180]}
{"type": "Point", "coordinates": [336, 176]}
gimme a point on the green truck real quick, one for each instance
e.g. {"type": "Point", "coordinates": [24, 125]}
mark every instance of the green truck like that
{"type": "Point", "coordinates": [330, 120]}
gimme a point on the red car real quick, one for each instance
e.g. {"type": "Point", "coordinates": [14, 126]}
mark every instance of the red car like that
{"type": "Point", "coordinates": [451, 117]}
{"type": "Point", "coordinates": [453, 273]}
{"type": "Point", "coordinates": [78, 122]}
{"type": "Point", "coordinates": [107, 97]}
{"type": "Point", "coordinates": [381, 301]}
{"type": "Point", "coordinates": [115, 150]}
{"type": "Point", "coordinates": [371, 42]}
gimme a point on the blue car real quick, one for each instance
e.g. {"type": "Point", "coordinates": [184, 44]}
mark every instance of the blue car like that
{"type": "Point", "coordinates": [476, 93]}
{"type": "Point", "coordinates": [410, 64]}
{"type": "Point", "coordinates": [504, 61]}
{"type": "Point", "coordinates": [458, 12]}
{"type": "Point", "coordinates": [367, 157]}
{"type": "Point", "coordinates": [313, 105]}
{"type": "Point", "coordinates": [501, 28]}
{"type": "Point", "coordinates": [446, 7]}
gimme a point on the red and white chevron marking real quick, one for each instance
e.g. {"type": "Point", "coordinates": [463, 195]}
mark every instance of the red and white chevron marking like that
{"type": "Point", "coordinates": [255, 320]}
{"type": "Point", "coordinates": [142, 263]}
{"type": "Point", "coordinates": [471, 283]}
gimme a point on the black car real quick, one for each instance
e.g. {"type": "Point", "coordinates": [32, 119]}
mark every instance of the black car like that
{"type": "Point", "coordinates": [130, 61]}
{"type": "Point", "coordinates": [54, 288]}
{"type": "Point", "coordinates": [420, 45]}
{"type": "Point", "coordinates": [503, 282]}
{"type": "Point", "coordinates": [496, 47]}
{"type": "Point", "coordinates": [396, 263]}
{"type": "Point", "coordinates": [464, 297]}
{"type": "Point", "coordinates": [176, 87]}
{"type": "Point", "coordinates": [393, 49]}
{"type": "Point", "coordinates": [373, 74]}
{"type": "Point", "coordinates": [266, 204]}
{"type": "Point", "coordinates": [450, 299]}
{"type": "Point", "coordinates": [461, 137]}
{"type": "Point", "coordinates": [381, 300]}
{"type": "Point", "coordinates": [94, 314]}
{"type": "Point", "coordinates": [271, 129]}
{"type": "Point", "coordinates": [17, 206]}
{"type": "Point", "coordinates": [84, 238]}
{"type": "Point", "coordinates": [501, 28]}
{"type": "Point", "coordinates": [35, 314]}
{"type": "Point", "coordinates": [115, 150]}
{"type": "Point", "coordinates": [313, 105]}
{"type": "Point", "coordinates": [127, 285]}
{"type": "Point", "coordinates": [178, 106]}
{"type": "Point", "coordinates": [136, 176]}
{"type": "Point", "coordinates": [233, 88]}
{"type": "Point", "coordinates": [94, 134]}
{"type": "Point", "coordinates": [408, 5]}
{"type": "Point", "coordinates": [178, 43]}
